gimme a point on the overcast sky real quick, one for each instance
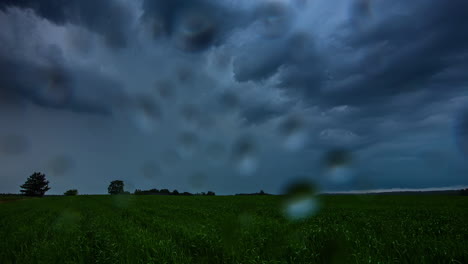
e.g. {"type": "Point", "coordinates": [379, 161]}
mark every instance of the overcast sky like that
{"type": "Point", "coordinates": [234, 95]}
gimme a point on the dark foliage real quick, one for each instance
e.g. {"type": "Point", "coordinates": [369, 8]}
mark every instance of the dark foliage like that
{"type": "Point", "coordinates": [165, 192]}
{"type": "Point", "coordinates": [160, 192]}
{"type": "Point", "coordinates": [210, 193]}
{"type": "Point", "coordinates": [72, 192]}
{"type": "Point", "coordinates": [35, 185]}
{"type": "Point", "coordinates": [464, 192]}
{"type": "Point", "coordinates": [259, 193]}
{"type": "Point", "coordinates": [116, 187]}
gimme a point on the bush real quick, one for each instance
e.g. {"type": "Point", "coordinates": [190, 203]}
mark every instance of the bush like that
{"type": "Point", "coordinates": [72, 192]}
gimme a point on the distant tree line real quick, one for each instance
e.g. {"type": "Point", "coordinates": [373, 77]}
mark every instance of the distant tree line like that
{"type": "Point", "coordinates": [259, 193]}
{"type": "Point", "coordinates": [167, 192]}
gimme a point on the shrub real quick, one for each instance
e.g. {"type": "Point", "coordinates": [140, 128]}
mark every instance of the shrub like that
{"type": "Point", "coordinates": [72, 192]}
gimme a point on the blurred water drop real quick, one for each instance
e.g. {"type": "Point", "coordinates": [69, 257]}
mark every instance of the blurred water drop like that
{"type": "Point", "coordinates": [340, 174]}
{"type": "Point", "coordinates": [197, 181]}
{"type": "Point", "coordinates": [300, 201]}
{"type": "Point", "coordinates": [170, 157]}
{"type": "Point", "coordinates": [337, 157]}
{"type": "Point", "coordinates": [190, 113]}
{"type": "Point", "coordinates": [187, 143]}
{"type": "Point", "coordinates": [57, 89]}
{"type": "Point", "coordinates": [292, 130]}
{"type": "Point", "coordinates": [244, 155]}
{"type": "Point", "coordinates": [147, 113]}
{"type": "Point", "coordinates": [229, 100]}
{"type": "Point", "coordinates": [151, 169]}
{"type": "Point", "coordinates": [337, 163]}
{"type": "Point", "coordinates": [184, 74]}
{"type": "Point", "coordinates": [461, 132]}
{"type": "Point", "coordinates": [275, 18]}
{"type": "Point", "coordinates": [194, 30]}
{"type": "Point", "coordinates": [215, 150]}
{"type": "Point", "coordinates": [14, 144]}
{"type": "Point", "coordinates": [61, 165]}
{"type": "Point", "coordinates": [165, 89]}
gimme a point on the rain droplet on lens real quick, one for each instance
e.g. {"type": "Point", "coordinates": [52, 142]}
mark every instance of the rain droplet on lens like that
{"type": "Point", "coordinates": [57, 88]}
{"type": "Point", "coordinates": [276, 18]}
{"type": "Point", "coordinates": [14, 144]}
{"type": "Point", "coordinates": [151, 169]}
{"type": "Point", "coordinates": [244, 155]}
{"type": "Point", "coordinates": [188, 141]}
{"type": "Point", "coordinates": [338, 168]}
{"type": "Point", "coordinates": [147, 113]}
{"type": "Point", "coordinates": [61, 165]}
{"type": "Point", "coordinates": [229, 100]}
{"type": "Point", "coordinates": [165, 89]}
{"type": "Point", "coordinates": [337, 157]}
{"type": "Point", "coordinates": [197, 181]}
{"type": "Point", "coordinates": [195, 31]}
{"type": "Point", "coordinates": [292, 130]}
{"type": "Point", "coordinates": [300, 201]}
{"type": "Point", "coordinates": [215, 150]}
{"type": "Point", "coordinates": [190, 113]}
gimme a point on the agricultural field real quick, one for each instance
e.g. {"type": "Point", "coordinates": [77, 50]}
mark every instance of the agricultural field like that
{"type": "Point", "coordinates": [234, 229]}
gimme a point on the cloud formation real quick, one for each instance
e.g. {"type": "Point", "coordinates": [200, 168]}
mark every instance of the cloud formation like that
{"type": "Point", "coordinates": [119, 86]}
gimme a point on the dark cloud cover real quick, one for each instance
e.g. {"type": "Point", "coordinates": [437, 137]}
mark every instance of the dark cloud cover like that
{"type": "Point", "coordinates": [118, 80]}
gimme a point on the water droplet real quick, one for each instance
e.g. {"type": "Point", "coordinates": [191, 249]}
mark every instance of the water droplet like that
{"type": "Point", "coordinates": [188, 142]}
{"type": "Point", "coordinates": [229, 100]}
{"type": "Point", "coordinates": [338, 168]}
{"type": "Point", "coordinates": [300, 201]}
{"type": "Point", "coordinates": [215, 150]}
{"type": "Point", "coordinates": [244, 156]}
{"type": "Point", "coordinates": [194, 31]}
{"type": "Point", "coordinates": [275, 18]}
{"type": "Point", "coordinates": [61, 165]}
{"type": "Point", "coordinates": [197, 181]}
{"type": "Point", "coordinates": [56, 90]}
{"type": "Point", "coordinates": [147, 113]}
{"type": "Point", "coordinates": [337, 158]}
{"type": "Point", "coordinates": [190, 113]}
{"type": "Point", "coordinates": [151, 169]}
{"type": "Point", "coordinates": [292, 129]}
{"type": "Point", "coordinates": [165, 89]}
{"type": "Point", "coordinates": [14, 144]}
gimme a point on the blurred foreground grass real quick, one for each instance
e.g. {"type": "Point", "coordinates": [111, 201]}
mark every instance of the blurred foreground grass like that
{"type": "Point", "coordinates": [250, 229]}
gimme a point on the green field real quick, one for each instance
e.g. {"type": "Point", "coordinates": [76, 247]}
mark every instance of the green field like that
{"type": "Point", "coordinates": [233, 229]}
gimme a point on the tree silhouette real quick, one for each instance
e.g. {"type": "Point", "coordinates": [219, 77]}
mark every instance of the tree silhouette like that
{"type": "Point", "coordinates": [116, 187]}
{"type": "Point", "coordinates": [72, 192]}
{"type": "Point", "coordinates": [175, 192]}
{"type": "Point", "coordinates": [35, 185]}
{"type": "Point", "coordinates": [211, 193]}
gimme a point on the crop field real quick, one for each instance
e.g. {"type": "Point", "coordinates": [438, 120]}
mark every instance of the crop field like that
{"type": "Point", "coordinates": [233, 229]}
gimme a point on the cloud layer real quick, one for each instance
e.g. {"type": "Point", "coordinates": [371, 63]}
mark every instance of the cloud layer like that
{"type": "Point", "coordinates": [234, 96]}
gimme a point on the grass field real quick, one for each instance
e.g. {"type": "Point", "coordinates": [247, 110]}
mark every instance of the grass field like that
{"type": "Point", "coordinates": [232, 229]}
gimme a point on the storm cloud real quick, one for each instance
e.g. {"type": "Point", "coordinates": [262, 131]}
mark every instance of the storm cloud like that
{"type": "Point", "coordinates": [249, 95]}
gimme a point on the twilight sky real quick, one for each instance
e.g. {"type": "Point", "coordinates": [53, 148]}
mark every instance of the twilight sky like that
{"type": "Point", "coordinates": [234, 95]}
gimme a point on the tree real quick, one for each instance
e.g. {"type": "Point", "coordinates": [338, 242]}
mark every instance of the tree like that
{"type": "Point", "coordinates": [165, 192]}
{"type": "Point", "coordinates": [35, 185]}
{"type": "Point", "coordinates": [72, 192]}
{"type": "Point", "coordinates": [175, 192]}
{"type": "Point", "coordinates": [116, 187]}
{"type": "Point", "coordinates": [464, 192]}
{"type": "Point", "coordinates": [210, 193]}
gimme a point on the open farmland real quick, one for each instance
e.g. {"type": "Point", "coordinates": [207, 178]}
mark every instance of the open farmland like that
{"type": "Point", "coordinates": [233, 229]}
